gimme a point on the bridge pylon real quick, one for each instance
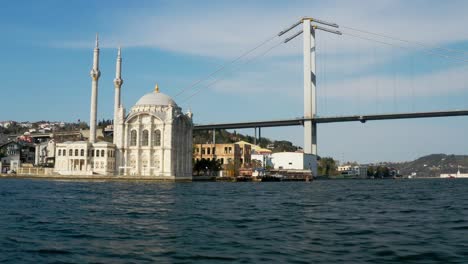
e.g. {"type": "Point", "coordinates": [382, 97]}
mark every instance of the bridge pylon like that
{"type": "Point", "coordinates": [310, 98]}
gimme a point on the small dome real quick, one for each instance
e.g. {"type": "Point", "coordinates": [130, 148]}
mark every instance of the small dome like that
{"type": "Point", "coordinates": [156, 98]}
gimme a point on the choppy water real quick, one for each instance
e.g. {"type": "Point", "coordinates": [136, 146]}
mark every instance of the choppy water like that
{"type": "Point", "coordinates": [368, 221]}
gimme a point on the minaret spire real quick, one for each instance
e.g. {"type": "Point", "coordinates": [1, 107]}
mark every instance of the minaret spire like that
{"type": "Point", "coordinates": [95, 74]}
{"type": "Point", "coordinates": [117, 84]}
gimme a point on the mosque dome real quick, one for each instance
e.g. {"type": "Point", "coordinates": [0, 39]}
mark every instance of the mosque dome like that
{"type": "Point", "coordinates": [156, 98]}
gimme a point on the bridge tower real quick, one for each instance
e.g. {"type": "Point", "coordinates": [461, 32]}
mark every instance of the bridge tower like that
{"type": "Point", "coordinates": [310, 99]}
{"type": "Point", "coordinates": [310, 94]}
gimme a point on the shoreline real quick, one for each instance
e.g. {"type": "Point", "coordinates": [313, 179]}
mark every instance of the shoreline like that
{"type": "Point", "coordinates": [93, 178]}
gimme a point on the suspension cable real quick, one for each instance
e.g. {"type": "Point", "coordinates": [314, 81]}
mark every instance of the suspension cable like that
{"type": "Point", "coordinates": [224, 66]}
{"type": "Point", "coordinates": [407, 41]}
{"type": "Point", "coordinates": [458, 60]}
{"type": "Point", "coordinates": [200, 88]}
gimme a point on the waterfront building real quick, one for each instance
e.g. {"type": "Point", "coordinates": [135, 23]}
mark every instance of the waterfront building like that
{"type": "Point", "coordinates": [294, 161]}
{"type": "Point", "coordinates": [153, 139]}
{"type": "Point", "coordinates": [16, 153]}
{"type": "Point", "coordinates": [255, 148]}
{"type": "Point", "coordinates": [45, 153]}
{"type": "Point", "coordinates": [233, 153]}
{"type": "Point", "coordinates": [357, 171]}
{"type": "Point", "coordinates": [454, 175]}
{"type": "Point", "coordinates": [264, 159]}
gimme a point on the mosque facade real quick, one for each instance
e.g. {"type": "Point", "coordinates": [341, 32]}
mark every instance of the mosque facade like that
{"type": "Point", "coordinates": [153, 140]}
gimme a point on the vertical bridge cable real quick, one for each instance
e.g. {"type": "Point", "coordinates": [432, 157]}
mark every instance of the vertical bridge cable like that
{"type": "Point", "coordinates": [394, 80]}
{"type": "Point", "coordinates": [376, 81]}
{"type": "Point", "coordinates": [325, 59]}
{"type": "Point", "coordinates": [360, 66]}
{"type": "Point", "coordinates": [412, 82]}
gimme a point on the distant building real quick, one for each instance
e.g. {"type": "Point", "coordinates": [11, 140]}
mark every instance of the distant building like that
{"type": "Point", "coordinates": [16, 153]}
{"type": "Point", "coordinates": [263, 155]}
{"type": "Point", "coordinates": [264, 159]}
{"type": "Point", "coordinates": [236, 154]}
{"type": "Point", "coordinates": [294, 161]}
{"type": "Point", "coordinates": [454, 175]}
{"type": "Point", "coordinates": [6, 124]}
{"type": "Point", "coordinates": [357, 171]}
{"type": "Point", "coordinates": [45, 153]}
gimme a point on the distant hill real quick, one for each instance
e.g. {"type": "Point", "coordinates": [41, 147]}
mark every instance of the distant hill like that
{"type": "Point", "coordinates": [433, 165]}
{"type": "Point", "coordinates": [224, 137]}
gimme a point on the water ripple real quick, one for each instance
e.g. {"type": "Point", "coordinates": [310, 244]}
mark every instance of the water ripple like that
{"type": "Point", "coordinates": [420, 221]}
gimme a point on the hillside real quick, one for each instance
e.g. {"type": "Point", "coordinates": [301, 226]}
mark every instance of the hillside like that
{"type": "Point", "coordinates": [433, 165]}
{"type": "Point", "coordinates": [224, 137]}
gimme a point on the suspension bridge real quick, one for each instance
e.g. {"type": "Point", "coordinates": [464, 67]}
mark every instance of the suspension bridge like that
{"type": "Point", "coordinates": [310, 118]}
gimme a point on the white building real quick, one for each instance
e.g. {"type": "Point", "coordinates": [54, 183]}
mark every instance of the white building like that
{"type": "Point", "coordinates": [294, 161]}
{"type": "Point", "coordinates": [154, 139]}
{"type": "Point", "coordinates": [454, 175]}
{"type": "Point", "coordinates": [265, 159]}
{"type": "Point", "coordinates": [359, 171]}
{"type": "Point", "coordinates": [45, 153]}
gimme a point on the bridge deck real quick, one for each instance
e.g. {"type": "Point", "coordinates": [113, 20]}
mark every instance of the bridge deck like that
{"type": "Point", "coordinates": [300, 121]}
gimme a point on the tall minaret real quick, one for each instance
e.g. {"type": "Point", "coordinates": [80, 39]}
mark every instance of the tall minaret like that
{"type": "Point", "coordinates": [117, 104]}
{"type": "Point", "coordinates": [95, 74]}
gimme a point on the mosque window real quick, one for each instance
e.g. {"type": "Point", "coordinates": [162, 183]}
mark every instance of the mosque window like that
{"type": "Point", "coordinates": [156, 138]}
{"type": "Point", "coordinates": [145, 138]}
{"type": "Point", "coordinates": [70, 152]}
{"type": "Point", "coordinates": [82, 153]}
{"type": "Point", "coordinates": [133, 138]}
{"type": "Point", "coordinates": [102, 153]}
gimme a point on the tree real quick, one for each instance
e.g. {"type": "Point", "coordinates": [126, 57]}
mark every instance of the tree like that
{"type": "Point", "coordinates": [207, 166]}
{"type": "Point", "coordinates": [327, 166]}
{"type": "Point", "coordinates": [2, 153]}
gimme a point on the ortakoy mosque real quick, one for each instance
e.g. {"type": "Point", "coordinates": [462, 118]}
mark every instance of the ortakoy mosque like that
{"type": "Point", "coordinates": [154, 139]}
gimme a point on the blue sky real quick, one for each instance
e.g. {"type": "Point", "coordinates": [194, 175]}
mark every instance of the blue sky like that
{"type": "Point", "coordinates": [46, 55]}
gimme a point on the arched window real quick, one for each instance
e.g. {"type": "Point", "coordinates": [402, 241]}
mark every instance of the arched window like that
{"type": "Point", "coordinates": [156, 140]}
{"type": "Point", "coordinates": [64, 152]}
{"type": "Point", "coordinates": [70, 152]}
{"type": "Point", "coordinates": [82, 153]}
{"type": "Point", "coordinates": [144, 138]}
{"type": "Point", "coordinates": [102, 153]}
{"type": "Point", "coordinates": [59, 152]}
{"type": "Point", "coordinates": [76, 152]}
{"type": "Point", "coordinates": [133, 138]}
{"type": "Point", "coordinates": [97, 152]}
{"type": "Point", "coordinates": [92, 153]}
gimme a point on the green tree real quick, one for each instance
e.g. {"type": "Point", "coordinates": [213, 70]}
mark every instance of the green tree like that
{"type": "Point", "coordinates": [327, 166]}
{"type": "Point", "coordinates": [207, 166]}
{"type": "Point", "coordinates": [2, 153]}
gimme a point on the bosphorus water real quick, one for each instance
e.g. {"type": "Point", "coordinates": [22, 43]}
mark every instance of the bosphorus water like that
{"type": "Point", "coordinates": [340, 221]}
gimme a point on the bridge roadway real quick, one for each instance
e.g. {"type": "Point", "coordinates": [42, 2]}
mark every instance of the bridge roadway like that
{"type": "Point", "coordinates": [337, 119]}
